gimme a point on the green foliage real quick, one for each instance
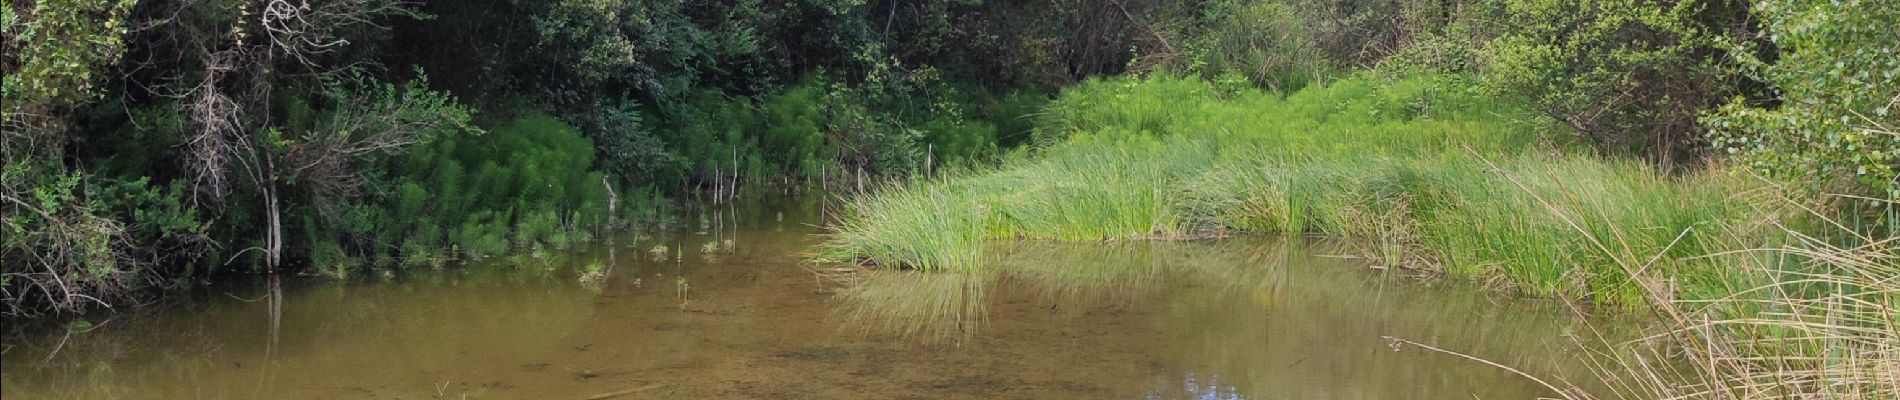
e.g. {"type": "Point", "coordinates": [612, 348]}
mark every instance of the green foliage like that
{"type": "Point", "coordinates": [713, 137]}
{"type": "Point", "coordinates": [590, 34]}
{"type": "Point", "coordinates": [1117, 148]}
{"type": "Point", "coordinates": [71, 241]}
{"type": "Point", "coordinates": [52, 224]}
{"type": "Point", "coordinates": [57, 54]}
{"type": "Point", "coordinates": [353, 124]}
{"type": "Point", "coordinates": [1268, 42]}
{"type": "Point", "coordinates": [953, 139]}
{"type": "Point", "coordinates": [1366, 115]}
{"type": "Point", "coordinates": [1839, 79]}
{"type": "Point", "coordinates": [1360, 33]}
{"type": "Point", "coordinates": [1631, 76]}
{"type": "Point", "coordinates": [628, 142]}
{"type": "Point", "coordinates": [366, 106]}
{"type": "Point", "coordinates": [662, 48]}
{"type": "Point", "coordinates": [669, 97]}
{"type": "Point", "coordinates": [162, 227]}
{"type": "Point", "coordinates": [792, 140]}
{"type": "Point", "coordinates": [865, 139]}
{"type": "Point", "coordinates": [1403, 166]}
{"type": "Point", "coordinates": [1013, 115]}
{"type": "Point", "coordinates": [823, 127]}
{"type": "Point", "coordinates": [524, 183]}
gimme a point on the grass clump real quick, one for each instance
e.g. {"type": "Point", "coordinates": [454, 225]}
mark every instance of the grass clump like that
{"type": "Point", "coordinates": [930, 227]}
{"type": "Point", "coordinates": [1521, 223]}
{"type": "Point", "coordinates": [1425, 175]}
{"type": "Point", "coordinates": [1819, 324]}
{"type": "Point", "coordinates": [1425, 172]}
{"type": "Point", "coordinates": [1098, 187]}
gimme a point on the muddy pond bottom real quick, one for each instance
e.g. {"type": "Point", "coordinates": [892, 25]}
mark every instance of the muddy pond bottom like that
{"type": "Point", "coordinates": [727, 309]}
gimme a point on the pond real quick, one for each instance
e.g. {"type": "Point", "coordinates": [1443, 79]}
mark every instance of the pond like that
{"type": "Point", "coordinates": [726, 308]}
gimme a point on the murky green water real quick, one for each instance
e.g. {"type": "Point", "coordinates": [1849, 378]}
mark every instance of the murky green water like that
{"type": "Point", "coordinates": [743, 318]}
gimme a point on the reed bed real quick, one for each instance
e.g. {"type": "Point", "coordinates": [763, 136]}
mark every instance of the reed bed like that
{"type": "Point", "coordinates": [1822, 323]}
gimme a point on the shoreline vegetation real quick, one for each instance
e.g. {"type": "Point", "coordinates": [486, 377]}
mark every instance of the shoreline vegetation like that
{"type": "Point", "coordinates": [1427, 175]}
{"type": "Point", "coordinates": [1729, 167]}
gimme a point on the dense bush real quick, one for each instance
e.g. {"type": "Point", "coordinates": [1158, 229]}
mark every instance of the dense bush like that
{"type": "Point", "coordinates": [822, 127]}
{"type": "Point", "coordinates": [78, 242]}
{"type": "Point", "coordinates": [1840, 116]}
{"type": "Point", "coordinates": [1433, 113]}
{"type": "Point", "coordinates": [1628, 76]}
{"type": "Point", "coordinates": [1268, 42]}
{"type": "Point", "coordinates": [56, 59]}
{"type": "Point", "coordinates": [525, 183]}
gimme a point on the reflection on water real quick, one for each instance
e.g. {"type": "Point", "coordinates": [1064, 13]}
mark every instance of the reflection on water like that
{"type": "Point", "coordinates": [725, 309]}
{"type": "Point", "coordinates": [1247, 318]}
{"type": "Point", "coordinates": [252, 342]}
{"type": "Point", "coordinates": [929, 305]}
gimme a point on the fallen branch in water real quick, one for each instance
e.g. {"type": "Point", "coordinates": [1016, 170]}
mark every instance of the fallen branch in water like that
{"type": "Point", "coordinates": [1397, 342]}
{"type": "Point", "coordinates": [609, 395]}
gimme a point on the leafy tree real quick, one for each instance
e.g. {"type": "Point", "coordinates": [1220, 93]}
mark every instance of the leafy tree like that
{"type": "Point", "coordinates": [1838, 74]}
{"type": "Point", "coordinates": [57, 52]}
{"type": "Point", "coordinates": [1629, 76]}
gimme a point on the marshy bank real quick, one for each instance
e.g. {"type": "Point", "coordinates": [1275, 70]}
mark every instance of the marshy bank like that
{"type": "Point", "coordinates": [1603, 154]}
{"type": "Point", "coordinates": [736, 312]}
{"type": "Point", "coordinates": [1769, 295]}
{"type": "Point", "coordinates": [1425, 172]}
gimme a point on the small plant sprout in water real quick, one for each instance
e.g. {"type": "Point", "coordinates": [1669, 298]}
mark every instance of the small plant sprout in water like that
{"type": "Point", "coordinates": [722, 246]}
{"type": "Point", "coordinates": [684, 289]}
{"type": "Point", "coordinates": [593, 275]}
{"type": "Point", "coordinates": [658, 252]}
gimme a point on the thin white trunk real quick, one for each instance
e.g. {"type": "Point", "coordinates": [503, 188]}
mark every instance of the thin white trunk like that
{"type": "Point", "coordinates": [274, 238]}
{"type": "Point", "coordinates": [613, 201]}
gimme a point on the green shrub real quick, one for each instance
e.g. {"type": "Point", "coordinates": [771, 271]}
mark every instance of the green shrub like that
{"type": "Point", "coordinates": [57, 58]}
{"type": "Point", "coordinates": [533, 184]}
{"type": "Point", "coordinates": [1270, 43]}
{"type": "Point", "coordinates": [1630, 76]}
{"type": "Point", "coordinates": [793, 140]}
{"type": "Point", "coordinates": [954, 139]}
{"type": "Point", "coordinates": [1840, 114]}
{"type": "Point", "coordinates": [1013, 115]}
{"type": "Point", "coordinates": [70, 241]}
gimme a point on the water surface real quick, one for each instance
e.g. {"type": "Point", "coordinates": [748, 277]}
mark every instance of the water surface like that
{"type": "Point", "coordinates": [726, 309]}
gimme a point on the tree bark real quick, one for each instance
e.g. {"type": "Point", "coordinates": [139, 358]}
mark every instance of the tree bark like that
{"type": "Point", "coordinates": [274, 237]}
